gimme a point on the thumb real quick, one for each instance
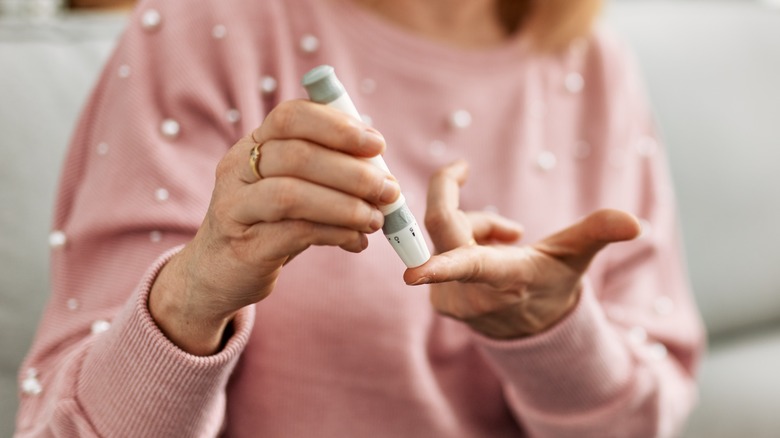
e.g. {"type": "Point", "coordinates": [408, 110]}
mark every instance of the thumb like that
{"type": "Point", "coordinates": [577, 245]}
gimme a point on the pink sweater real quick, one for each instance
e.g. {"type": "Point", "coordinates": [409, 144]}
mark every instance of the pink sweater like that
{"type": "Point", "coordinates": [342, 347]}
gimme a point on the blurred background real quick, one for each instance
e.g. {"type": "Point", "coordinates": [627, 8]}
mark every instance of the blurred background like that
{"type": "Point", "coordinates": [712, 68]}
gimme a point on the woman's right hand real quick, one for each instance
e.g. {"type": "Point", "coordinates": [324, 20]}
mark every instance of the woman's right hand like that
{"type": "Point", "coordinates": [315, 190]}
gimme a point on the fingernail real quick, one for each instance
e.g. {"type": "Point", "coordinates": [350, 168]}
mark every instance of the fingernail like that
{"type": "Point", "coordinates": [421, 280]}
{"type": "Point", "coordinates": [373, 140]}
{"type": "Point", "coordinates": [390, 191]}
{"type": "Point", "coordinates": [377, 219]}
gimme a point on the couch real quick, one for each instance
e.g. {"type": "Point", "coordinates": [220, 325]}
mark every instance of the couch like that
{"type": "Point", "coordinates": [711, 68]}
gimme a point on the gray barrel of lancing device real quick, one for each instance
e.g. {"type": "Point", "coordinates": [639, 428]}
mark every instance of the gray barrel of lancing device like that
{"type": "Point", "coordinates": [400, 226]}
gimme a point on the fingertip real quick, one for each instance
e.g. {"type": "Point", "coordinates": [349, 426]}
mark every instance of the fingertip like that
{"type": "Point", "coordinates": [461, 163]}
{"type": "Point", "coordinates": [411, 276]}
{"type": "Point", "coordinates": [372, 142]}
{"type": "Point", "coordinates": [356, 246]}
{"type": "Point", "coordinates": [419, 275]}
{"type": "Point", "coordinates": [636, 230]}
{"type": "Point", "coordinates": [616, 225]}
{"type": "Point", "coordinates": [513, 230]}
{"type": "Point", "coordinates": [460, 167]}
{"type": "Point", "coordinates": [420, 281]}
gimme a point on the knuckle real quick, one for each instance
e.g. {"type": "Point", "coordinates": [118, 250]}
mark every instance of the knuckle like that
{"type": "Point", "coordinates": [440, 175]}
{"type": "Point", "coordinates": [222, 226]}
{"type": "Point", "coordinates": [223, 168]}
{"type": "Point", "coordinates": [348, 134]}
{"type": "Point", "coordinates": [436, 218]}
{"type": "Point", "coordinates": [477, 270]}
{"type": "Point", "coordinates": [301, 230]}
{"type": "Point", "coordinates": [220, 211]}
{"type": "Point", "coordinates": [360, 215]}
{"type": "Point", "coordinates": [297, 155]}
{"type": "Point", "coordinates": [282, 198]}
{"type": "Point", "coordinates": [353, 237]}
{"type": "Point", "coordinates": [284, 117]}
{"type": "Point", "coordinates": [369, 183]}
{"type": "Point", "coordinates": [226, 165]}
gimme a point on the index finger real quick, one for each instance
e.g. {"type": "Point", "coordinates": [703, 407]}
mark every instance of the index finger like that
{"type": "Point", "coordinates": [448, 226]}
{"type": "Point", "coordinates": [321, 124]}
{"type": "Point", "coordinates": [475, 264]}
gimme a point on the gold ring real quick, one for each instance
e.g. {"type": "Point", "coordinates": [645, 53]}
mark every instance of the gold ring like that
{"type": "Point", "coordinates": [254, 161]}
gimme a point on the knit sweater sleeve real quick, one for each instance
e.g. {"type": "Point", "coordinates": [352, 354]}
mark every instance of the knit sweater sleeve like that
{"type": "Point", "coordinates": [135, 186]}
{"type": "Point", "coordinates": [623, 362]}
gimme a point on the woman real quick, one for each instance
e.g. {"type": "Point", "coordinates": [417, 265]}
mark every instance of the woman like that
{"type": "Point", "coordinates": [161, 273]}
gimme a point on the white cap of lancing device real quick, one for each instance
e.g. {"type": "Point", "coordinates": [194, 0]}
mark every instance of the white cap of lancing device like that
{"type": "Point", "coordinates": [400, 226]}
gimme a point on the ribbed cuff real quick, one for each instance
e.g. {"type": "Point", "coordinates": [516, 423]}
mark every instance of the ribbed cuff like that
{"type": "Point", "coordinates": [580, 362]}
{"type": "Point", "coordinates": [135, 382]}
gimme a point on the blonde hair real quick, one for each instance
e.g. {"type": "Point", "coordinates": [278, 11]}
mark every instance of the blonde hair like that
{"type": "Point", "coordinates": [553, 24]}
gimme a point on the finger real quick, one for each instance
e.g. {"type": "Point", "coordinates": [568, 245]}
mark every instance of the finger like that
{"type": "Point", "coordinates": [282, 198]}
{"type": "Point", "coordinates": [309, 161]}
{"type": "Point", "coordinates": [291, 237]}
{"type": "Point", "coordinates": [321, 124]}
{"type": "Point", "coordinates": [474, 264]}
{"type": "Point", "coordinates": [235, 166]}
{"type": "Point", "coordinates": [446, 224]}
{"type": "Point", "coordinates": [577, 245]}
{"type": "Point", "coordinates": [489, 227]}
{"type": "Point", "coordinates": [354, 245]}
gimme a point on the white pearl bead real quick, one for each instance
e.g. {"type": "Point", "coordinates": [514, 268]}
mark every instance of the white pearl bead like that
{"type": "Point", "coordinates": [72, 304]}
{"type": "Point", "coordinates": [155, 236]}
{"type": "Point", "coordinates": [100, 326]}
{"type": "Point", "coordinates": [102, 148]}
{"type": "Point", "coordinates": [151, 19]}
{"type": "Point", "coordinates": [123, 71]}
{"type": "Point", "coordinates": [309, 43]}
{"type": "Point", "coordinates": [170, 128]}
{"type": "Point", "coordinates": [367, 86]}
{"type": "Point", "coordinates": [233, 115]}
{"type": "Point", "coordinates": [460, 119]}
{"type": "Point", "coordinates": [161, 194]}
{"type": "Point", "coordinates": [57, 239]}
{"type": "Point", "coordinates": [664, 306]}
{"type": "Point", "coordinates": [219, 31]}
{"type": "Point", "coordinates": [546, 160]}
{"type": "Point", "coordinates": [31, 386]}
{"type": "Point", "coordinates": [646, 146]}
{"type": "Point", "coordinates": [637, 335]}
{"type": "Point", "coordinates": [490, 209]}
{"type": "Point", "coordinates": [367, 119]}
{"type": "Point", "coordinates": [574, 82]}
{"type": "Point", "coordinates": [268, 84]}
{"type": "Point", "coordinates": [437, 148]}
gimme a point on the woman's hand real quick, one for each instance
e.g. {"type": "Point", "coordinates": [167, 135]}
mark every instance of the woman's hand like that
{"type": "Point", "coordinates": [503, 291]}
{"type": "Point", "coordinates": [315, 190]}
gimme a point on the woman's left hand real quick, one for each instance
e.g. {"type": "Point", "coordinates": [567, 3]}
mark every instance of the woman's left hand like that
{"type": "Point", "coordinates": [505, 291]}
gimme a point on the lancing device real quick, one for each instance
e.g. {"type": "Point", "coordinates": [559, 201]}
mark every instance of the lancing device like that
{"type": "Point", "coordinates": [400, 227]}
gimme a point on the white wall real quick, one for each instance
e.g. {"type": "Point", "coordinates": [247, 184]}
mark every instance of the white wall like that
{"type": "Point", "coordinates": [713, 70]}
